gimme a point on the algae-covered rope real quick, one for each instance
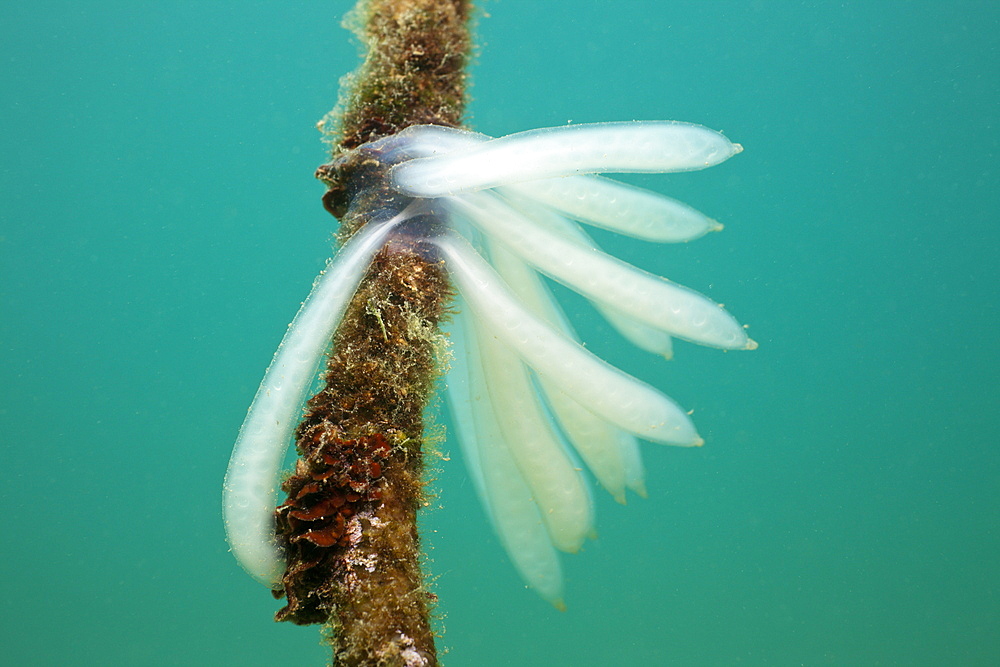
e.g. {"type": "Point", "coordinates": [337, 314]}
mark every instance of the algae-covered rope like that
{"type": "Point", "coordinates": [348, 524]}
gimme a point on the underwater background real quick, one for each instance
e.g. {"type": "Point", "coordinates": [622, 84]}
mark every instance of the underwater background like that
{"type": "Point", "coordinates": [160, 225]}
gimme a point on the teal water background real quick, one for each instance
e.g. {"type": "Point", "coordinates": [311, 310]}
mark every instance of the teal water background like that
{"type": "Point", "coordinates": [160, 225]}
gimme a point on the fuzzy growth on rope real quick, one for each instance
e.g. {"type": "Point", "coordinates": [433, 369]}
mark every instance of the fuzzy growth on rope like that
{"type": "Point", "coordinates": [413, 72]}
{"type": "Point", "coordinates": [348, 523]}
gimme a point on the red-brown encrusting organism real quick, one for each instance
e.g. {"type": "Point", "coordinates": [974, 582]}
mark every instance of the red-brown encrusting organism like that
{"type": "Point", "coordinates": [336, 486]}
